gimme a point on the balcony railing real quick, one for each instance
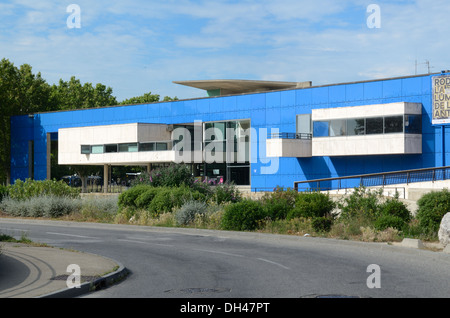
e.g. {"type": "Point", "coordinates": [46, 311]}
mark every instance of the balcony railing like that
{"type": "Point", "coordinates": [378, 179]}
{"type": "Point", "coordinates": [284, 135]}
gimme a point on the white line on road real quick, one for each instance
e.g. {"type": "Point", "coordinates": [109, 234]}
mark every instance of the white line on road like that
{"type": "Point", "coordinates": [148, 243]}
{"type": "Point", "coordinates": [217, 252]}
{"type": "Point", "coordinates": [72, 235]}
{"type": "Point", "coordinates": [275, 263]}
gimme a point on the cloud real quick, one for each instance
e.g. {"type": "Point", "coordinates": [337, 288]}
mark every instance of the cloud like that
{"type": "Point", "coordinates": [138, 46]}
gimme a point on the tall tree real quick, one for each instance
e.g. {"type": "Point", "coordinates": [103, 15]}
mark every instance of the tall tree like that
{"type": "Point", "coordinates": [146, 98]}
{"type": "Point", "coordinates": [72, 94]}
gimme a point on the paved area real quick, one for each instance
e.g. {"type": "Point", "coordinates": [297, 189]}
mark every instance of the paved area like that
{"type": "Point", "coordinates": [28, 271]}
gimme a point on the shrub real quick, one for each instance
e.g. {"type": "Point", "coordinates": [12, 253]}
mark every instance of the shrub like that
{"type": "Point", "coordinates": [394, 207]}
{"type": "Point", "coordinates": [227, 192]}
{"type": "Point", "coordinates": [310, 205]}
{"type": "Point", "coordinates": [279, 203]}
{"type": "Point", "coordinates": [173, 176]}
{"type": "Point", "coordinates": [245, 215]}
{"type": "Point", "coordinates": [146, 197]}
{"type": "Point", "coordinates": [21, 190]}
{"type": "Point", "coordinates": [321, 224]}
{"type": "Point", "coordinates": [277, 209]}
{"type": "Point", "coordinates": [48, 206]}
{"type": "Point", "coordinates": [431, 209]}
{"type": "Point", "coordinates": [389, 221]}
{"type": "Point", "coordinates": [204, 188]}
{"type": "Point", "coordinates": [168, 199]}
{"type": "Point", "coordinates": [188, 213]}
{"type": "Point", "coordinates": [3, 192]}
{"type": "Point", "coordinates": [99, 208]}
{"type": "Point", "coordinates": [162, 202]}
{"type": "Point", "coordinates": [362, 204]}
{"type": "Point", "coordinates": [128, 198]}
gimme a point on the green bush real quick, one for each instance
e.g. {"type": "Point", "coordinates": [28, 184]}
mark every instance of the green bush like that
{"type": "Point", "coordinates": [321, 224]}
{"type": "Point", "coordinates": [362, 204]}
{"type": "Point", "coordinates": [245, 215]}
{"type": "Point", "coordinates": [146, 197]}
{"type": "Point", "coordinates": [48, 206]}
{"type": "Point", "coordinates": [394, 207]}
{"type": "Point", "coordinates": [386, 221]}
{"type": "Point", "coordinates": [311, 205]}
{"type": "Point", "coordinates": [173, 176]}
{"type": "Point", "coordinates": [277, 209]}
{"type": "Point", "coordinates": [99, 208]}
{"type": "Point", "coordinates": [21, 190]}
{"type": "Point", "coordinates": [227, 192]}
{"type": "Point", "coordinates": [279, 203]}
{"type": "Point", "coordinates": [128, 198]}
{"type": "Point", "coordinates": [167, 199]}
{"type": "Point", "coordinates": [189, 211]}
{"type": "Point", "coordinates": [431, 209]}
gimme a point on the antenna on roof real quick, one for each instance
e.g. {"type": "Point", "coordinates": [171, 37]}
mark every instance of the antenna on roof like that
{"type": "Point", "coordinates": [427, 63]}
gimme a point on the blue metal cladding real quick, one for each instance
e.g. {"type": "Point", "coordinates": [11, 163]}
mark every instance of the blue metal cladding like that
{"type": "Point", "coordinates": [267, 111]}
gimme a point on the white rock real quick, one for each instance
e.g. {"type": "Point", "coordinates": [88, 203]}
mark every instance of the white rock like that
{"type": "Point", "coordinates": [444, 230]}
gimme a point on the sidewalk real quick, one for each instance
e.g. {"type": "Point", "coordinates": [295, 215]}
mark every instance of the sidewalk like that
{"type": "Point", "coordinates": [28, 271]}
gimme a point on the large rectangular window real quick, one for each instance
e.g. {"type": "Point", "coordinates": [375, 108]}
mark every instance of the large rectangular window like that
{"type": "Point", "coordinates": [85, 149]}
{"type": "Point", "coordinates": [356, 126]}
{"type": "Point", "coordinates": [97, 149]}
{"type": "Point", "coordinates": [393, 124]}
{"type": "Point", "coordinates": [413, 124]}
{"type": "Point", "coordinates": [148, 146]}
{"type": "Point", "coordinates": [128, 147]}
{"type": "Point", "coordinates": [374, 125]}
{"type": "Point", "coordinates": [161, 146]}
{"type": "Point", "coordinates": [111, 148]}
{"type": "Point", "coordinates": [338, 127]}
{"type": "Point", "coordinates": [320, 129]}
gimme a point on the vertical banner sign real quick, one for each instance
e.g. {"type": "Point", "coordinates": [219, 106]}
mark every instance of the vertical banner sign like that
{"type": "Point", "coordinates": [441, 100]}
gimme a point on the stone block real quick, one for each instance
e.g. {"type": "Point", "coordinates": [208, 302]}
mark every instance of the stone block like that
{"type": "Point", "coordinates": [444, 230]}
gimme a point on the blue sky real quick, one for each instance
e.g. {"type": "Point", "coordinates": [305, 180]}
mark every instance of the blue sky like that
{"type": "Point", "coordinates": [138, 46]}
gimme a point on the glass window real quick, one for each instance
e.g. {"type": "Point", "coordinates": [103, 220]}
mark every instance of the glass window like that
{"type": "Point", "coordinates": [110, 148]}
{"type": "Point", "coordinates": [355, 126]}
{"type": "Point", "coordinates": [149, 146]}
{"type": "Point", "coordinates": [393, 124]}
{"type": "Point", "coordinates": [128, 148]}
{"type": "Point", "coordinates": [85, 149]}
{"type": "Point", "coordinates": [338, 127]}
{"type": "Point", "coordinates": [97, 149]}
{"type": "Point", "coordinates": [374, 125]}
{"type": "Point", "coordinates": [320, 129]}
{"type": "Point", "coordinates": [304, 124]}
{"type": "Point", "coordinates": [413, 124]}
{"type": "Point", "coordinates": [161, 146]}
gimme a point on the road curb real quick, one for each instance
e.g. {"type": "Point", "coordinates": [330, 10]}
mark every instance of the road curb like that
{"type": "Point", "coordinates": [414, 243]}
{"type": "Point", "coordinates": [87, 287]}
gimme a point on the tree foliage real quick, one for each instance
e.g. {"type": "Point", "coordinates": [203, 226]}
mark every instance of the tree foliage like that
{"type": "Point", "coordinates": [23, 92]}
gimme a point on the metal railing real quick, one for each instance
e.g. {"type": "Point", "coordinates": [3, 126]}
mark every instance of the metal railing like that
{"type": "Point", "coordinates": [380, 179]}
{"type": "Point", "coordinates": [284, 135]}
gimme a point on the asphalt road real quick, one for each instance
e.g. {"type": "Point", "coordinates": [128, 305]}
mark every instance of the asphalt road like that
{"type": "Point", "coordinates": [187, 263]}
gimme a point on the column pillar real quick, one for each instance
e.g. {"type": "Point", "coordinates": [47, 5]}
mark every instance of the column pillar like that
{"type": "Point", "coordinates": [49, 156]}
{"type": "Point", "coordinates": [105, 178]}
